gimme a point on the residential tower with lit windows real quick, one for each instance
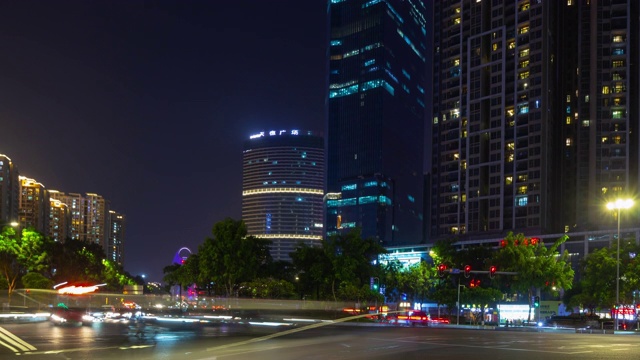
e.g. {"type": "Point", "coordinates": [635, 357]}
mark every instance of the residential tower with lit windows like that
{"type": "Point", "coordinates": [533, 126]}
{"type": "Point", "coordinates": [89, 216]}
{"type": "Point", "coordinates": [283, 188]}
{"type": "Point", "coordinates": [33, 207]}
{"type": "Point", "coordinates": [114, 247]}
{"type": "Point", "coordinates": [9, 191]}
{"type": "Point", "coordinates": [376, 118]}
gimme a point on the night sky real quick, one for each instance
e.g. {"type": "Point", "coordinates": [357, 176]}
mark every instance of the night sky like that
{"type": "Point", "coordinates": [148, 104]}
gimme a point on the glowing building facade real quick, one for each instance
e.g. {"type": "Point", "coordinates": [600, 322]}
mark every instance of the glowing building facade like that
{"type": "Point", "coordinates": [282, 189]}
{"type": "Point", "coordinates": [33, 207]}
{"type": "Point", "coordinates": [9, 190]}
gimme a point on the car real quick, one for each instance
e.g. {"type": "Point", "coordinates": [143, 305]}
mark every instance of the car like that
{"type": "Point", "coordinates": [410, 317]}
{"type": "Point", "coordinates": [69, 316]}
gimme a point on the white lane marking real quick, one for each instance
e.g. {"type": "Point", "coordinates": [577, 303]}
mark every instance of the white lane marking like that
{"type": "Point", "coordinates": [16, 341]}
{"type": "Point", "coordinates": [9, 346]}
{"type": "Point", "coordinates": [488, 347]}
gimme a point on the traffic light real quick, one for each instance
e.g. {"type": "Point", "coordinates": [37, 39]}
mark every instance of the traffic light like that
{"type": "Point", "coordinates": [492, 271]}
{"type": "Point", "coordinates": [441, 269]}
{"type": "Point", "coordinates": [467, 270]}
{"type": "Point", "coordinates": [472, 283]}
{"type": "Point", "coordinates": [536, 301]}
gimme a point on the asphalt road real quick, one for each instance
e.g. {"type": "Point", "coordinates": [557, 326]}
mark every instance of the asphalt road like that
{"type": "Point", "coordinates": [316, 341]}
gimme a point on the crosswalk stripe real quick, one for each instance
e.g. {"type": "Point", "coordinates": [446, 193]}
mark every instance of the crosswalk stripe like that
{"type": "Point", "coordinates": [9, 346]}
{"type": "Point", "coordinates": [16, 341]}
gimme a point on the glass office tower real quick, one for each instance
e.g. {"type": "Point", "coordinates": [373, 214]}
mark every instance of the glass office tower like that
{"type": "Point", "coordinates": [376, 117]}
{"type": "Point", "coordinates": [282, 189]}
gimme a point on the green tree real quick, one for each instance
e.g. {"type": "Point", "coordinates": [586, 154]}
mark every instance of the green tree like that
{"type": "Point", "coordinates": [76, 261]}
{"type": "Point", "coordinates": [267, 288]}
{"type": "Point", "coordinates": [597, 286]}
{"type": "Point", "coordinates": [35, 280]}
{"type": "Point", "coordinates": [21, 252]}
{"type": "Point", "coordinates": [481, 297]}
{"type": "Point", "coordinates": [178, 274]}
{"type": "Point", "coordinates": [539, 268]}
{"type": "Point", "coordinates": [314, 269]}
{"type": "Point", "coordinates": [351, 259]}
{"type": "Point", "coordinates": [114, 276]}
{"type": "Point", "coordinates": [231, 257]}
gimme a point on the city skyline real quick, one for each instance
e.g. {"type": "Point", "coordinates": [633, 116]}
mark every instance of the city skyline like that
{"type": "Point", "coordinates": [149, 104]}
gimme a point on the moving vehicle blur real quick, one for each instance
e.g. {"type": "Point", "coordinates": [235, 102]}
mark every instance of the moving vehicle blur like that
{"type": "Point", "coordinates": [63, 315]}
{"type": "Point", "coordinates": [410, 317]}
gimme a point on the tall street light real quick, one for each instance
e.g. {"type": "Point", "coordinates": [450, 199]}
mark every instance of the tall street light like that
{"type": "Point", "coordinates": [13, 224]}
{"type": "Point", "coordinates": [618, 205]}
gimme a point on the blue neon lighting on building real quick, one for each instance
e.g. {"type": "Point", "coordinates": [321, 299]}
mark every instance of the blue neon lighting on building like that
{"type": "Point", "coordinates": [344, 91]}
{"type": "Point", "coordinates": [370, 3]}
{"type": "Point", "coordinates": [341, 202]}
{"type": "Point", "coordinates": [349, 187]}
{"type": "Point", "coordinates": [336, 42]}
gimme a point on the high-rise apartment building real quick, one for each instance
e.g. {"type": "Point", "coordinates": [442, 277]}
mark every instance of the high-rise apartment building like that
{"type": "Point", "coordinates": [495, 136]}
{"type": "Point", "coordinates": [59, 221]}
{"type": "Point", "coordinates": [89, 216]}
{"type": "Point", "coordinates": [532, 115]}
{"type": "Point", "coordinates": [34, 205]}
{"type": "Point", "coordinates": [283, 188]}
{"type": "Point", "coordinates": [376, 119]}
{"type": "Point", "coordinates": [115, 241]}
{"type": "Point", "coordinates": [600, 109]}
{"type": "Point", "coordinates": [9, 190]}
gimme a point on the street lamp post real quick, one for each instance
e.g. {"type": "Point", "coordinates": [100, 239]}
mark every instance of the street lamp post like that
{"type": "Point", "coordinates": [458, 307]}
{"type": "Point", "coordinates": [11, 223]}
{"type": "Point", "coordinates": [618, 205]}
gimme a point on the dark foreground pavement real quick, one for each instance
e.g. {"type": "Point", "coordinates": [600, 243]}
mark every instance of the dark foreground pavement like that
{"type": "Point", "coordinates": [312, 341]}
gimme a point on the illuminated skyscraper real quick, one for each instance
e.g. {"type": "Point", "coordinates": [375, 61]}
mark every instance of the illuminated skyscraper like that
{"type": "Point", "coordinates": [59, 220]}
{"type": "Point", "coordinates": [33, 205]}
{"type": "Point", "coordinates": [89, 216]}
{"type": "Point", "coordinates": [9, 190]}
{"type": "Point", "coordinates": [115, 240]}
{"type": "Point", "coordinates": [534, 117]}
{"type": "Point", "coordinates": [282, 189]}
{"type": "Point", "coordinates": [376, 119]}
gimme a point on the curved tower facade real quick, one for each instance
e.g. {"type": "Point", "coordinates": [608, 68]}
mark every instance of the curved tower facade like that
{"type": "Point", "coordinates": [282, 189]}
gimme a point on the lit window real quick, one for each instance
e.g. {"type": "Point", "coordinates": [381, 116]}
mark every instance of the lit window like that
{"type": "Point", "coordinates": [605, 90]}
{"type": "Point", "coordinates": [568, 120]}
{"type": "Point", "coordinates": [523, 30]}
{"type": "Point", "coordinates": [618, 38]}
{"type": "Point", "coordinates": [524, 52]}
{"type": "Point", "coordinates": [568, 142]}
{"type": "Point", "coordinates": [521, 200]}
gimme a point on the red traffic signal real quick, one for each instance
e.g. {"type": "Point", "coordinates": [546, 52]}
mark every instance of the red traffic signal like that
{"type": "Point", "coordinates": [467, 270]}
{"type": "Point", "coordinates": [492, 271]}
{"type": "Point", "coordinates": [441, 269]}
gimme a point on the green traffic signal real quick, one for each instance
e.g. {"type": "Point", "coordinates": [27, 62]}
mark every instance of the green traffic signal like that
{"type": "Point", "coordinates": [536, 301]}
